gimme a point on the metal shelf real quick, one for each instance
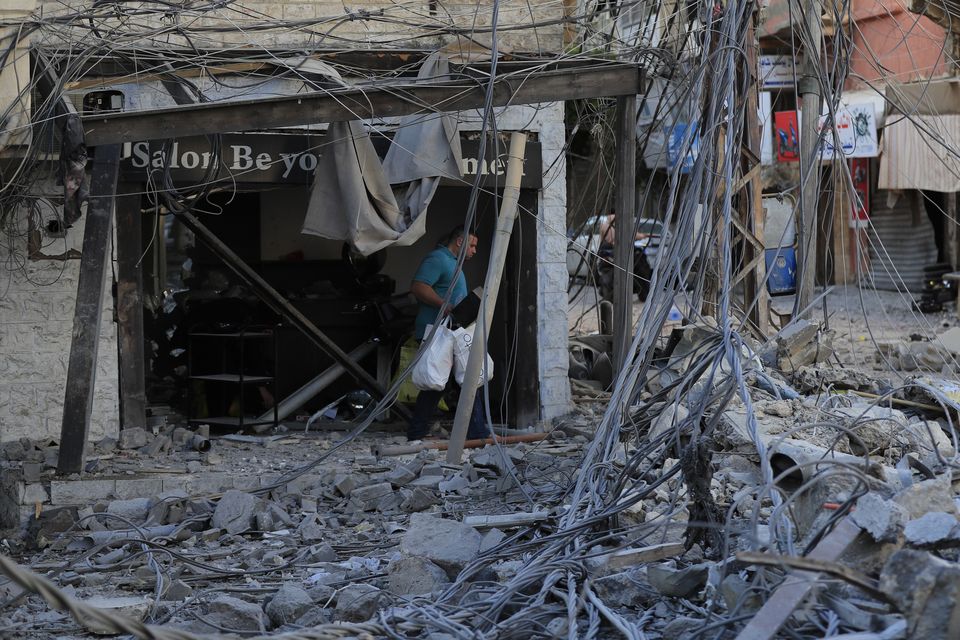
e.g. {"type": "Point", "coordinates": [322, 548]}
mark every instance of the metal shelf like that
{"type": "Point", "coordinates": [232, 356]}
{"type": "Point", "coordinates": [232, 377]}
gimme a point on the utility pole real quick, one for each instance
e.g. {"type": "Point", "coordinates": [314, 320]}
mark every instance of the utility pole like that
{"type": "Point", "coordinates": [809, 86]}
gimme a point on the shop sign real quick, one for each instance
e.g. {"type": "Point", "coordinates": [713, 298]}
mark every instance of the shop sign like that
{"type": "Point", "coordinates": [777, 71]}
{"type": "Point", "coordinates": [292, 159]}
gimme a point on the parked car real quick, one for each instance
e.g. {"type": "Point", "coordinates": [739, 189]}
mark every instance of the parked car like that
{"type": "Point", "coordinates": [590, 258]}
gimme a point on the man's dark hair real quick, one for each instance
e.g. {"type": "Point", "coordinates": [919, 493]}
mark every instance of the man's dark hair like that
{"type": "Point", "coordinates": [456, 232]}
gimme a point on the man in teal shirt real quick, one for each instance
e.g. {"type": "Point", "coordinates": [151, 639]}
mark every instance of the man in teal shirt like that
{"type": "Point", "coordinates": [434, 278]}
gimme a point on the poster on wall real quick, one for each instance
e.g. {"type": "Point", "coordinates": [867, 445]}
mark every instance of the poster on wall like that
{"type": "Point", "coordinates": [683, 137]}
{"type": "Point", "coordinates": [786, 136]}
{"type": "Point", "coordinates": [860, 206]}
{"type": "Point", "coordinates": [864, 131]}
{"type": "Point", "coordinates": [855, 135]}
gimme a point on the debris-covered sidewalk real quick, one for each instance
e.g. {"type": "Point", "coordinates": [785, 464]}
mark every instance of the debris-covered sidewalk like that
{"type": "Point", "coordinates": [667, 528]}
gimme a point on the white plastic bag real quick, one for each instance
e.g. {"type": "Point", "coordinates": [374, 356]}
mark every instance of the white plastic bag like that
{"type": "Point", "coordinates": [462, 339]}
{"type": "Point", "coordinates": [433, 368]}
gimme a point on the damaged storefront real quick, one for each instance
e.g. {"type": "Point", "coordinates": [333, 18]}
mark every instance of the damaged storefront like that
{"type": "Point", "coordinates": [360, 301]}
{"type": "Point", "coordinates": [258, 193]}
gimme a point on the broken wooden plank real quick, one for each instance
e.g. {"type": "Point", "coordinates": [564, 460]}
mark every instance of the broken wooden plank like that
{"type": "Point", "coordinates": [641, 555]}
{"type": "Point", "coordinates": [82, 367]}
{"type": "Point", "coordinates": [792, 591]}
{"type": "Point", "coordinates": [848, 574]}
{"type": "Point", "coordinates": [506, 520]}
{"type": "Point", "coordinates": [341, 105]}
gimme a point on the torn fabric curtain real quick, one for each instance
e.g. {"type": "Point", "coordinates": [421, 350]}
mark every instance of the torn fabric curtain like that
{"type": "Point", "coordinates": [370, 204]}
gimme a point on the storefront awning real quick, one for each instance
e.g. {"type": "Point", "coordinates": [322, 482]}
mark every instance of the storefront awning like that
{"type": "Point", "coordinates": [920, 148]}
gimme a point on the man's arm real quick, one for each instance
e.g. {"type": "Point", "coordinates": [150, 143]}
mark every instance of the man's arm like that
{"type": "Point", "coordinates": [425, 294]}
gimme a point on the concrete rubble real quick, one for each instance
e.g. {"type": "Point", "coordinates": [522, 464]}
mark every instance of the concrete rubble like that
{"type": "Point", "coordinates": [264, 540]}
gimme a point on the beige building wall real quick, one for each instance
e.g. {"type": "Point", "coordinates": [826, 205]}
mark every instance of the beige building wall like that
{"type": "Point", "coordinates": [527, 26]}
{"type": "Point", "coordinates": [37, 299]}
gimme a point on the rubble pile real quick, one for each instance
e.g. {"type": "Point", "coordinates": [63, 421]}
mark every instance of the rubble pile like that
{"type": "Point", "coordinates": [704, 507]}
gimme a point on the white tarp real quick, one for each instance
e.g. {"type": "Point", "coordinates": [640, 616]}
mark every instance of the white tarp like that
{"type": "Point", "coordinates": [370, 204]}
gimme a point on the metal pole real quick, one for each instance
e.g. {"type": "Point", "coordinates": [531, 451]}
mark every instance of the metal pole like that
{"type": "Point", "coordinates": [304, 394]}
{"type": "Point", "coordinates": [809, 155]}
{"type": "Point", "coordinates": [491, 286]}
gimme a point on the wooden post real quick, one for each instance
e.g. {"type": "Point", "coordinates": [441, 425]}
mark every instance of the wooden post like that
{"type": "Point", "coordinates": [756, 297]}
{"type": "Point", "coordinates": [844, 238]}
{"type": "Point", "coordinates": [626, 184]}
{"type": "Point", "coordinates": [82, 368]}
{"type": "Point", "coordinates": [491, 288]}
{"type": "Point", "coordinates": [130, 341]}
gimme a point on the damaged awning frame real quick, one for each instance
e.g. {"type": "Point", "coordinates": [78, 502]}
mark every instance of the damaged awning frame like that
{"type": "Point", "coordinates": [108, 130]}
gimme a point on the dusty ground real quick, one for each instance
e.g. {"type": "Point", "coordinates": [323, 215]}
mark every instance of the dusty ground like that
{"type": "Point", "coordinates": [320, 535]}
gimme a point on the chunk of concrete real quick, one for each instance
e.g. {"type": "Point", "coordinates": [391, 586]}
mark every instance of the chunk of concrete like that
{"type": "Point", "coordinates": [447, 543]}
{"type": "Point", "coordinates": [668, 420]}
{"type": "Point", "coordinates": [930, 529]}
{"type": "Point", "coordinates": [491, 539]}
{"type": "Point", "coordinates": [626, 589]}
{"type": "Point", "coordinates": [310, 528]}
{"type": "Point", "coordinates": [368, 497]}
{"type": "Point", "coordinates": [322, 552]}
{"type": "Point", "coordinates": [414, 576]}
{"type": "Point", "coordinates": [418, 500]}
{"type": "Point", "coordinates": [32, 471]}
{"type": "Point", "coordinates": [132, 438]}
{"type": "Point", "coordinates": [235, 512]}
{"type": "Point", "coordinates": [873, 429]}
{"type": "Point", "coordinates": [926, 590]}
{"type": "Point", "coordinates": [679, 583]}
{"type": "Point", "coordinates": [236, 615]}
{"type": "Point", "coordinates": [359, 602]}
{"type": "Point", "coordinates": [883, 519]}
{"type": "Point", "coordinates": [401, 476]}
{"type": "Point", "coordinates": [34, 493]}
{"type": "Point", "coordinates": [135, 510]}
{"type": "Point", "coordinates": [346, 484]}
{"type": "Point", "coordinates": [177, 590]}
{"type": "Point", "coordinates": [288, 604]}
{"type": "Point", "coordinates": [929, 495]}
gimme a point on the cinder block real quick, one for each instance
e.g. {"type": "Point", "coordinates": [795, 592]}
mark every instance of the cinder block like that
{"type": "Point", "coordinates": [127, 489]}
{"type": "Point", "coordinates": [72, 492]}
{"type": "Point", "coordinates": [33, 493]}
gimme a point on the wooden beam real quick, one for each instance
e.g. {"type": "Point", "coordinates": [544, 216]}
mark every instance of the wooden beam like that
{"type": "Point", "coordinates": [357, 104]}
{"type": "Point", "coordinates": [756, 296]}
{"type": "Point", "coordinates": [272, 298]}
{"type": "Point", "coordinates": [626, 212]}
{"type": "Point", "coordinates": [130, 340]}
{"type": "Point", "coordinates": [82, 367]}
{"type": "Point", "coordinates": [794, 589]}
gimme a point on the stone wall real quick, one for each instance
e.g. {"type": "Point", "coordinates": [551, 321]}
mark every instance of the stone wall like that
{"type": "Point", "coordinates": [37, 299]}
